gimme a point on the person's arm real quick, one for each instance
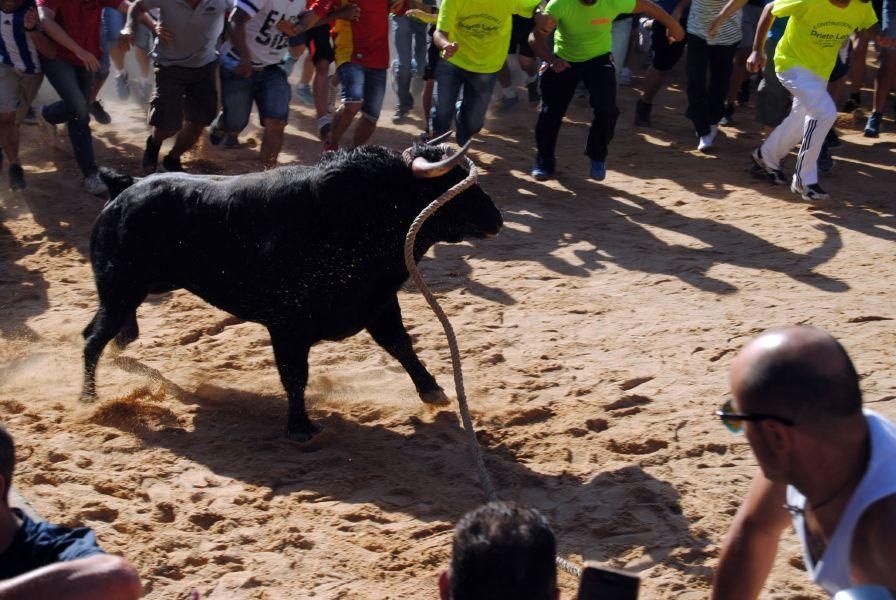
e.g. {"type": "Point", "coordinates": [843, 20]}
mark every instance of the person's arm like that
{"type": "Point", "coordinates": [45, 46]}
{"type": "Point", "coordinates": [57, 34]}
{"type": "Point", "coordinates": [757, 59]}
{"type": "Point", "coordinates": [321, 12]}
{"type": "Point", "coordinates": [98, 576]}
{"type": "Point", "coordinates": [445, 25]}
{"type": "Point", "coordinates": [673, 28]}
{"type": "Point", "coordinates": [752, 542]}
{"type": "Point", "coordinates": [874, 545]}
{"type": "Point", "coordinates": [679, 9]}
{"type": "Point", "coordinates": [238, 21]}
{"type": "Point", "coordinates": [729, 9]}
{"type": "Point", "coordinates": [544, 26]}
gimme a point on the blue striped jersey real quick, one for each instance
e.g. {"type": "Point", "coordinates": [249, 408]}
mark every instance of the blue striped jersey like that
{"type": "Point", "coordinates": [16, 48]}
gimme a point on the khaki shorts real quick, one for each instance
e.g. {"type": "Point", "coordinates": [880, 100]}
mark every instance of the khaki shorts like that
{"type": "Point", "coordinates": [184, 93]}
{"type": "Point", "coordinates": [17, 90]}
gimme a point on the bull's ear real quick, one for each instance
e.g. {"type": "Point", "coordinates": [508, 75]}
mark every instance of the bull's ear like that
{"type": "Point", "coordinates": [424, 169]}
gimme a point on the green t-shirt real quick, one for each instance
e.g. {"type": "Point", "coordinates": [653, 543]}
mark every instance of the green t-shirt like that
{"type": "Point", "coordinates": [816, 31]}
{"type": "Point", "coordinates": [584, 31]}
{"type": "Point", "coordinates": [481, 29]}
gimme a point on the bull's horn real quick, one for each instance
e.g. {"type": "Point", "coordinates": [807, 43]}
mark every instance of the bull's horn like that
{"type": "Point", "coordinates": [423, 169]}
{"type": "Point", "coordinates": [438, 140]}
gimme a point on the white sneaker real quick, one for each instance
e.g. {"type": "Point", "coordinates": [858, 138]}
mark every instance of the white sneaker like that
{"type": "Point", "coordinates": [706, 141]}
{"type": "Point", "coordinates": [94, 185]}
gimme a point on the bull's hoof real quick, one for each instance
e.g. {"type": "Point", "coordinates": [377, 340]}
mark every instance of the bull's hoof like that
{"type": "Point", "coordinates": [304, 433]}
{"type": "Point", "coordinates": [435, 397]}
{"type": "Point", "coordinates": [310, 439]}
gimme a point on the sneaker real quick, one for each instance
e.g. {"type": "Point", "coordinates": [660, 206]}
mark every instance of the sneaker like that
{"type": "Point", "coordinates": [534, 92]}
{"type": "Point", "coordinates": [508, 102]}
{"type": "Point", "coordinates": [122, 86]}
{"type": "Point", "coordinates": [400, 113]}
{"type": "Point", "coordinates": [215, 135]}
{"type": "Point", "coordinates": [727, 115]}
{"type": "Point", "coordinates": [94, 185]}
{"type": "Point", "coordinates": [598, 170]}
{"type": "Point", "coordinates": [832, 139]}
{"type": "Point", "coordinates": [642, 113]}
{"type": "Point", "coordinates": [706, 141]}
{"type": "Point", "coordinates": [540, 173]}
{"type": "Point", "coordinates": [231, 142]}
{"type": "Point", "coordinates": [853, 102]}
{"type": "Point", "coordinates": [775, 175]}
{"type": "Point", "coordinates": [150, 160]}
{"type": "Point", "coordinates": [872, 128]}
{"type": "Point", "coordinates": [99, 113]}
{"type": "Point", "coordinates": [324, 131]}
{"type": "Point", "coordinates": [810, 192]}
{"type": "Point", "coordinates": [171, 164]}
{"type": "Point", "coordinates": [304, 94]}
{"type": "Point", "coordinates": [16, 178]}
{"type": "Point", "coordinates": [625, 76]}
{"type": "Point", "coordinates": [30, 117]}
{"type": "Point", "coordinates": [743, 94]}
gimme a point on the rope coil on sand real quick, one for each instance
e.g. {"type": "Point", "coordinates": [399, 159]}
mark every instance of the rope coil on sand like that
{"type": "Point", "coordinates": [475, 448]}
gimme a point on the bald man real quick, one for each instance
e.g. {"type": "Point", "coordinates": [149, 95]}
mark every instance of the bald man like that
{"type": "Point", "coordinates": [825, 465]}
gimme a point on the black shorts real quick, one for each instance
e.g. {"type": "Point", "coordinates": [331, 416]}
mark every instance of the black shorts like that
{"type": "Point", "coordinates": [665, 53]}
{"type": "Point", "coordinates": [317, 39]}
{"type": "Point", "coordinates": [519, 36]}
{"type": "Point", "coordinates": [432, 54]}
{"type": "Point", "coordinates": [184, 93]}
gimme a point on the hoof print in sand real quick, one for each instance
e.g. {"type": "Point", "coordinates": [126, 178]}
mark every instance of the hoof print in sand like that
{"type": "Point", "coordinates": [647, 446]}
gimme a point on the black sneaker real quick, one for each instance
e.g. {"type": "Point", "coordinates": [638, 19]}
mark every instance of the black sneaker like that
{"type": "Point", "coordinates": [534, 93]}
{"type": "Point", "coordinates": [171, 164]}
{"type": "Point", "coordinates": [832, 139]}
{"type": "Point", "coordinates": [151, 156]}
{"type": "Point", "coordinates": [872, 128]}
{"type": "Point", "coordinates": [727, 115]}
{"type": "Point", "coordinates": [853, 102]}
{"type": "Point", "coordinates": [16, 178]}
{"type": "Point", "coordinates": [324, 132]}
{"type": "Point", "coordinates": [642, 113]}
{"type": "Point", "coordinates": [743, 94]}
{"type": "Point", "coordinates": [811, 192]}
{"type": "Point", "coordinates": [776, 176]}
{"type": "Point", "coordinates": [400, 113]}
{"type": "Point", "coordinates": [99, 113]}
{"type": "Point", "coordinates": [825, 160]}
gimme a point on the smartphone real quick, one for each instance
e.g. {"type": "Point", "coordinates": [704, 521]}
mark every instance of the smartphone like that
{"type": "Point", "coordinates": [600, 583]}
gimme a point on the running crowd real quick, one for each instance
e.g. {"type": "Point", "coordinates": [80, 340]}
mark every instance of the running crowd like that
{"type": "Point", "coordinates": [215, 59]}
{"type": "Point", "coordinates": [827, 467]}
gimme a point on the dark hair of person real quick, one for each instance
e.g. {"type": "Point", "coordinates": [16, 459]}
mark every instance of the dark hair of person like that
{"type": "Point", "coordinates": [793, 386]}
{"type": "Point", "coordinates": [503, 551]}
{"type": "Point", "coordinates": [7, 461]}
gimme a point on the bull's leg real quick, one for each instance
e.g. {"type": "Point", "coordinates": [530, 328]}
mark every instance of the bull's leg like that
{"type": "Point", "coordinates": [129, 331]}
{"type": "Point", "coordinates": [291, 353]}
{"type": "Point", "coordinates": [389, 332]}
{"type": "Point", "coordinates": [104, 326]}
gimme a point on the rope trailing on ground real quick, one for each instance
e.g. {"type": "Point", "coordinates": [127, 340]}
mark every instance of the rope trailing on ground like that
{"type": "Point", "coordinates": [411, 264]}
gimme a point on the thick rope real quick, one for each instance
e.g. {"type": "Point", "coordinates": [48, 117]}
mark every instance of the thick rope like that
{"type": "Point", "coordinates": [473, 442]}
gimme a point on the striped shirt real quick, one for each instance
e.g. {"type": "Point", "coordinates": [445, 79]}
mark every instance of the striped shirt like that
{"type": "Point", "coordinates": [16, 48]}
{"type": "Point", "coordinates": [266, 43]}
{"type": "Point", "coordinates": [702, 14]}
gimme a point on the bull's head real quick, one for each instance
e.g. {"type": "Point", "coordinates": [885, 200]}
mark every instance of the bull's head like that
{"type": "Point", "coordinates": [472, 212]}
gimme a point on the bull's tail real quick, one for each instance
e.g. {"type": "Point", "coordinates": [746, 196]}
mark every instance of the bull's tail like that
{"type": "Point", "coordinates": [116, 181]}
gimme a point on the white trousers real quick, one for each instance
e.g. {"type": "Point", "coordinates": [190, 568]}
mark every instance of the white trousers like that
{"type": "Point", "coordinates": [812, 115]}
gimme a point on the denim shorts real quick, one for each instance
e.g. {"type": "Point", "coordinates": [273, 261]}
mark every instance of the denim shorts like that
{"type": "Point", "coordinates": [360, 84]}
{"type": "Point", "coordinates": [268, 88]}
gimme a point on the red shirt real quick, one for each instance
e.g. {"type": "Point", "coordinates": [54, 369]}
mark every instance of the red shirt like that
{"type": "Point", "coordinates": [365, 41]}
{"type": "Point", "coordinates": [81, 20]}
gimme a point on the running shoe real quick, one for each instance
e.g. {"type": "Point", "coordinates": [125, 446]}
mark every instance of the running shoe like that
{"type": "Point", "coordinates": [95, 185]}
{"type": "Point", "coordinates": [534, 92]}
{"type": "Point", "coordinates": [706, 141]}
{"type": "Point", "coordinates": [598, 170]}
{"type": "Point", "coordinates": [539, 173]}
{"type": "Point", "coordinates": [304, 94]}
{"type": "Point", "coordinates": [811, 192]}
{"type": "Point", "coordinates": [853, 102]}
{"type": "Point", "coordinates": [99, 113]}
{"type": "Point", "coordinates": [727, 115]}
{"type": "Point", "coordinates": [215, 135]}
{"type": "Point", "coordinates": [872, 128]}
{"type": "Point", "coordinates": [150, 160]}
{"type": "Point", "coordinates": [16, 178]}
{"type": "Point", "coordinates": [775, 175]}
{"type": "Point", "coordinates": [400, 113]}
{"type": "Point", "coordinates": [122, 86]}
{"type": "Point", "coordinates": [171, 164]}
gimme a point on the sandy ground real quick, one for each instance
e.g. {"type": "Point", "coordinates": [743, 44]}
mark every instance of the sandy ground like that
{"type": "Point", "coordinates": [596, 331]}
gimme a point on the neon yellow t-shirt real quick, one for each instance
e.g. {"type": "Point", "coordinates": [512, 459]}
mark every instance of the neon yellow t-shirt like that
{"type": "Point", "coordinates": [584, 31]}
{"type": "Point", "coordinates": [481, 29]}
{"type": "Point", "coordinates": [816, 31]}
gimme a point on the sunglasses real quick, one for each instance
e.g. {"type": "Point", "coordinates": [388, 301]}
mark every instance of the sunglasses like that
{"type": "Point", "coordinates": [734, 421]}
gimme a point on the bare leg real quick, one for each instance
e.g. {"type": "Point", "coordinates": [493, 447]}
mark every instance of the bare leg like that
{"type": "Point", "coordinates": [320, 86]}
{"type": "Point", "coordinates": [738, 73]}
{"type": "Point", "coordinates": [342, 121]}
{"type": "Point", "coordinates": [271, 142]}
{"type": "Point", "coordinates": [885, 80]}
{"type": "Point", "coordinates": [9, 137]}
{"type": "Point", "coordinates": [364, 130]}
{"type": "Point", "coordinates": [428, 89]}
{"type": "Point", "coordinates": [857, 66]}
{"type": "Point", "coordinates": [653, 83]}
{"type": "Point", "coordinates": [189, 135]}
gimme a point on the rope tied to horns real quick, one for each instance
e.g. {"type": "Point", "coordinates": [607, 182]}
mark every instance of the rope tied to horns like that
{"type": "Point", "coordinates": [484, 477]}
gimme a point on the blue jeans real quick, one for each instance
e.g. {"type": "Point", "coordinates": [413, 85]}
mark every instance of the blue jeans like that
{"type": "Point", "coordinates": [477, 91]}
{"type": "Point", "coordinates": [73, 84]}
{"type": "Point", "coordinates": [410, 46]}
{"type": "Point", "coordinates": [361, 84]}
{"type": "Point", "coordinates": [267, 87]}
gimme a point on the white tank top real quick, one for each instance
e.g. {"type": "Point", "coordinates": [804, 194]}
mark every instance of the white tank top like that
{"type": "Point", "coordinates": [832, 572]}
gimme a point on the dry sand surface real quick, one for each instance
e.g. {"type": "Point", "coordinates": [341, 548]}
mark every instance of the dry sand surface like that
{"type": "Point", "coordinates": [596, 330]}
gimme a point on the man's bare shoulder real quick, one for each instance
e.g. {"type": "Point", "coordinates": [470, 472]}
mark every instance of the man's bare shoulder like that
{"type": "Point", "coordinates": [874, 544]}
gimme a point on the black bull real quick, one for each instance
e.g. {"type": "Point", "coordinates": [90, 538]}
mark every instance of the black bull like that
{"type": "Point", "coordinates": [312, 253]}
